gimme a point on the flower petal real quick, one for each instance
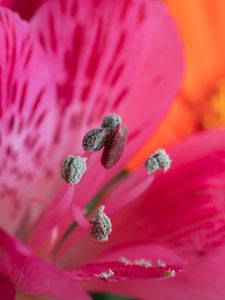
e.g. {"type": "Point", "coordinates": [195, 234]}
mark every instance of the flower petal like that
{"type": "Point", "coordinates": [27, 118]}
{"type": "Point", "coordinates": [187, 215]}
{"type": "Point", "coordinates": [203, 280]}
{"type": "Point", "coordinates": [121, 272]}
{"type": "Point", "coordinates": [7, 290]}
{"type": "Point", "coordinates": [142, 264]}
{"type": "Point", "coordinates": [192, 193]}
{"type": "Point", "coordinates": [136, 253]}
{"type": "Point", "coordinates": [188, 212]}
{"type": "Point", "coordinates": [100, 70]}
{"type": "Point", "coordinates": [32, 275]}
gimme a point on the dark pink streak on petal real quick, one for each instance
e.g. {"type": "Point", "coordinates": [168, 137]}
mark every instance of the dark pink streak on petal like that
{"type": "Point", "coordinates": [24, 8]}
{"type": "Point", "coordinates": [32, 275]}
{"type": "Point", "coordinates": [7, 289]}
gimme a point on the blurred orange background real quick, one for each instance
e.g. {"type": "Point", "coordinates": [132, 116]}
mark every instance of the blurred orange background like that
{"type": "Point", "coordinates": [200, 103]}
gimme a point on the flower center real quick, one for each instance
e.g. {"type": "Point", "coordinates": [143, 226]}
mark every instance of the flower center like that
{"type": "Point", "coordinates": [111, 136]}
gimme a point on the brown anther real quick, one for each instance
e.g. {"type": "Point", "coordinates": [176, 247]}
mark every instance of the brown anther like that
{"type": "Point", "coordinates": [114, 146]}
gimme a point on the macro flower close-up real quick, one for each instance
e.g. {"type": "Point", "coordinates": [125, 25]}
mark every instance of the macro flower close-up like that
{"type": "Point", "coordinates": [93, 200]}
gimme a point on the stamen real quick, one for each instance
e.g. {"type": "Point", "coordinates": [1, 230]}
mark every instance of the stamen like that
{"type": "Point", "coordinates": [110, 122]}
{"type": "Point", "coordinates": [161, 264]}
{"type": "Point", "coordinates": [160, 159]}
{"type": "Point", "coordinates": [73, 168]}
{"type": "Point", "coordinates": [94, 139]}
{"type": "Point", "coordinates": [105, 275]}
{"type": "Point", "coordinates": [101, 225]}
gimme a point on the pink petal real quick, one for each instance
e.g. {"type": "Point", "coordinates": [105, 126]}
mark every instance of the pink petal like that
{"type": "Point", "coordinates": [100, 70]}
{"type": "Point", "coordinates": [133, 252]}
{"type": "Point", "coordinates": [7, 290]}
{"type": "Point", "coordinates": [203, 280]}
{"type": "Point", "coordinates": [122, 272]}
{"type": "Point", "coordinates": [183, 208]}
{"type": "Point", "coordinates": [27, 119]}
{"type": "Point", "coordinates": [32, 275]}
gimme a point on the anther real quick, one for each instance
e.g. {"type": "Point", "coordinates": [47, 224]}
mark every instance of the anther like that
{"type": "Point", "coordinates": [94, 139]}
{"type": "Point", "coordinates": [110, 122]}
{"type": "Point", "coordinates": [170, 273]}
{"type": "Point", "coordinates": [105, 275]}
{"type": "Point", "coordinates": [159, 160]}
{"type": "Point", "coordinates": [73, 168]}
{"type": "Point", "coordinates": [114, 146]}
{"type": "Point", "coordinates": [101, 225]}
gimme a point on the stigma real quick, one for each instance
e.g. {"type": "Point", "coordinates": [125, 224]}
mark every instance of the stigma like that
{"type": "Point", "coordinates": [101, 225]}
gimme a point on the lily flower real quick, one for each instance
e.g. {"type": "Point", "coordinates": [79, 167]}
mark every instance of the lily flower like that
{"type": "Point", "coordinates": [61, 73]}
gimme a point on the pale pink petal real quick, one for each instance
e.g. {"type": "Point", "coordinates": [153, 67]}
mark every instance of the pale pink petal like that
{"type": "Point", "coordinates": [27, 122]}
{"type": "Point", "coordinates": [32, 275]}
{"type": "Point", "coordinates": [109, 57]}
{"type": "Point", "coordinates": [7, 290]}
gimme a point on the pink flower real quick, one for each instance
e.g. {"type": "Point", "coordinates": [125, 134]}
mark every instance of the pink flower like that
{"type": "Point", "coordinates": [60, 73]}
